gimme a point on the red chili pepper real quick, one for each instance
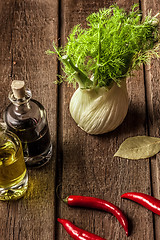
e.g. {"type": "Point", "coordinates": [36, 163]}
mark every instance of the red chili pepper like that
{"type": "Point", "coordinates": [91, 202]}
{"type": "Point", "coordinates": [145, 200]}
{"type": "Point", "coordinates": [77, 233]}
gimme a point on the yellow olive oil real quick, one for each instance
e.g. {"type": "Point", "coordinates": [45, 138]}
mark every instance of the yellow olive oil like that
{"type": "Point", "coordinates": [12, 165]}
{"type": "Point", "coordinates": [13, 172]}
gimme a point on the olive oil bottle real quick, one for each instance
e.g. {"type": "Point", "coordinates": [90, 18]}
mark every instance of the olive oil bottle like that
{"type": "Point", "coordinates": [27, 118]}
{"type": "Point", "coordinates": [13, 172]}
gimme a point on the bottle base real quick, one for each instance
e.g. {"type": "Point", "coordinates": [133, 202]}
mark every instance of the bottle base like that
{"type": "Point", "coordinates": [15, 192]}
{"type": "Point", "coordinates": [40, 160]}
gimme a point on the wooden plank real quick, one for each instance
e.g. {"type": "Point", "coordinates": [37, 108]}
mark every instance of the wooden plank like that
{"type": "Point", "coordinates": [88, 166]}
{"type": "Point", "coordinates": [28, 29]}
{"type": "Point", "coordinates": [153, 100]}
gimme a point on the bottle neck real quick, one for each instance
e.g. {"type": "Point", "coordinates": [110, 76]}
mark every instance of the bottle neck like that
{"type": "Point", "coordinates": [22, 105]}
{"type": "Point", "coordinates": [20, 101]}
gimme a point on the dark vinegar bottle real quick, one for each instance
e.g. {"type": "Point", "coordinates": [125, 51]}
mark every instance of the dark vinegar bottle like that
{"type": "Point", "coordinates": [27, 118]}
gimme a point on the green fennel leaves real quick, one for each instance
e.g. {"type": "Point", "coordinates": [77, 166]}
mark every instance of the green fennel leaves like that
{"type": "Point", "coordinates": [110, 47]}
{"type": "Point", "coordinates": [139, 147]}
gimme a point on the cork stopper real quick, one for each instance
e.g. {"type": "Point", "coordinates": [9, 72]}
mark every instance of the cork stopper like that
{"type": "Point", "coordinates": [18, 88]}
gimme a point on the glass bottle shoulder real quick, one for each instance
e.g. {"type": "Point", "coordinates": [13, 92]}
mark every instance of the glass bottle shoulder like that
{"type": "Point", "coordinates": [24, 116]}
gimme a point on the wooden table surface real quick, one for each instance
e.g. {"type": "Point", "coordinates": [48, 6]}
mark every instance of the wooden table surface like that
{"type": "Point", "coordinates": [82, 163]}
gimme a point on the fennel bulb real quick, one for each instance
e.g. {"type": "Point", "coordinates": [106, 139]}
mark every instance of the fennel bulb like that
{"type": "Point", "coordinates": [101, 110]}
{"type": "Point", "coordinates": [113, 44]}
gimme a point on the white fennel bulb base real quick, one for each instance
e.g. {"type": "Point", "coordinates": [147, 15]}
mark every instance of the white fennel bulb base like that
{"type": "Point", "coordinates": [98, 111]}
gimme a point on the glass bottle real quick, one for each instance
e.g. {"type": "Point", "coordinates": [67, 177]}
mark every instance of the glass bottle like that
{"type": "Point", "coordinates": [27, 118]}
{"type": "Point", "coordinates": [13, 172]}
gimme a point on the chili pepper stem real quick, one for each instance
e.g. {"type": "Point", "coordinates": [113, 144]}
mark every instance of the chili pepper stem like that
{"type": "Point", "coordinates": [65, 200]}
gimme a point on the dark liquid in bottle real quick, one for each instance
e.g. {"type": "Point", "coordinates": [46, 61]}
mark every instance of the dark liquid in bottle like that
{"type": "Point", "coordinates": [26, 118]}
{"type": "Point", "coordinates": [34, 142]}
{"type": "Point", "coordinates": [39, 145]}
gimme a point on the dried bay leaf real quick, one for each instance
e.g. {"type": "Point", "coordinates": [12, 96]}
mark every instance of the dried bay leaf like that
{"type": "Point", "coordinates": [139, 147]}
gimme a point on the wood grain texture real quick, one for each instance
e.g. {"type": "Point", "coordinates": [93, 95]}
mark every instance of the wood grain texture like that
{"type": "Point", "coordinates": [152, 82]}
{"type": "Point", "coordinates": [27, 31]}
{"type": "Point", "coordinates": [83, 163]}
{"type": "Point", "coordinates": [88, 166]}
